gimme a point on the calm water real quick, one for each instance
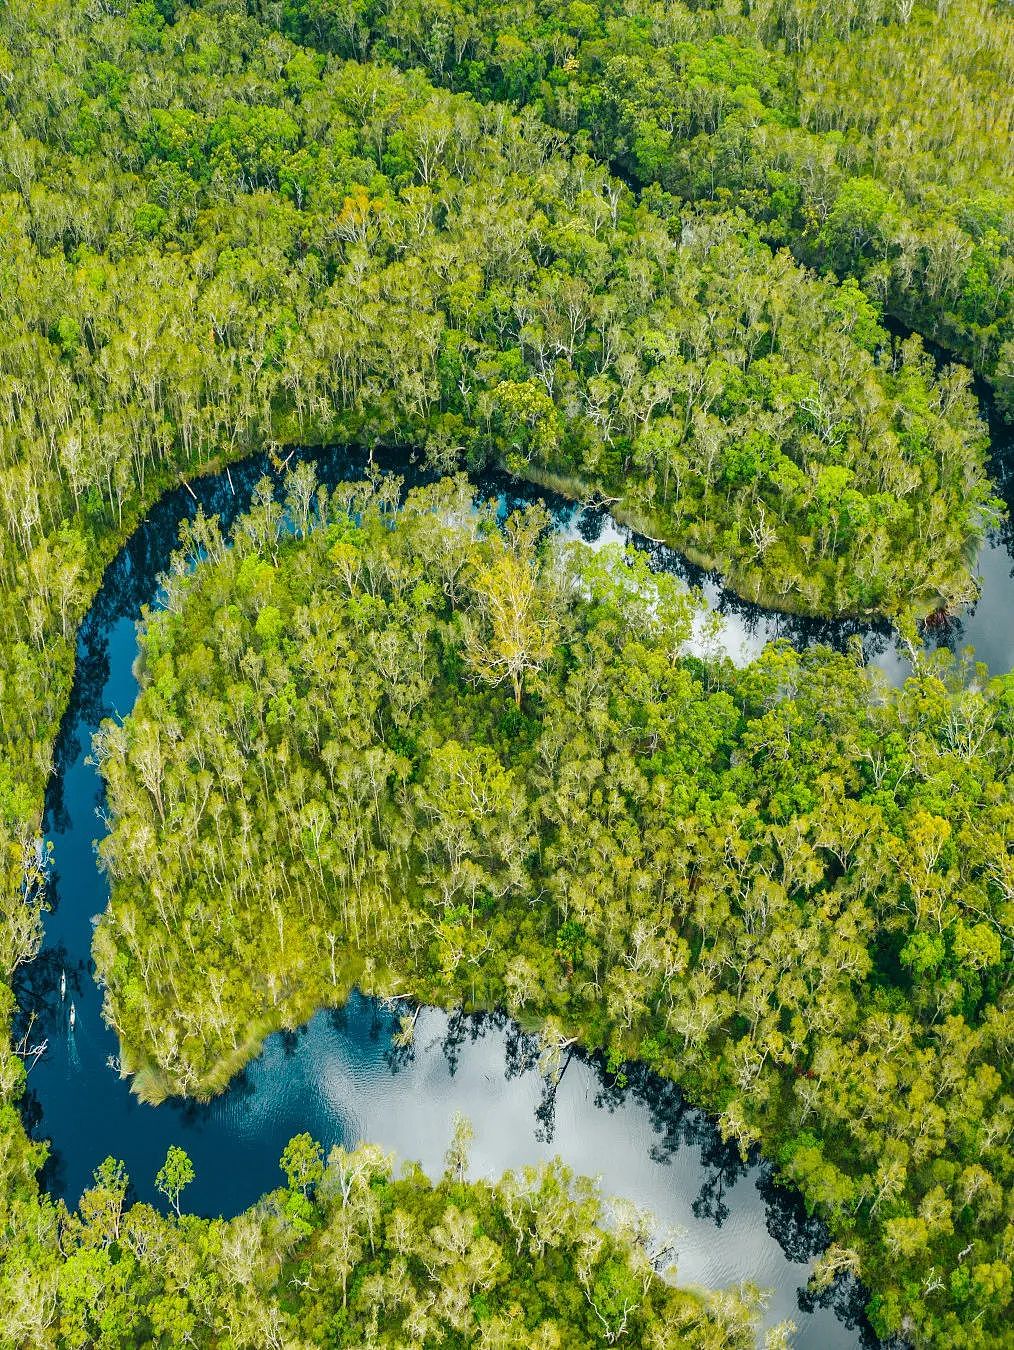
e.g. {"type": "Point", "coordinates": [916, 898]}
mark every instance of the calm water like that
{"type": "Point", "coordinates": [340, 1077]}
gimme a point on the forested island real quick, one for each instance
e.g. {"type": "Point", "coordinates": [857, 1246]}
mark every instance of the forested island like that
{"type": "Point", "coordinates": [732, 269]}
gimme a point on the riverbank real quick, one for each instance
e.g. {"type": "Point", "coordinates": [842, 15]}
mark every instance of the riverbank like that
{"type": "Point", "coordinates": [754, 590]}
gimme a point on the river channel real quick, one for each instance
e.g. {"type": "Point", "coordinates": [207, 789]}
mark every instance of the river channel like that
{"type": "Point", "coordinates": [340, 1076]}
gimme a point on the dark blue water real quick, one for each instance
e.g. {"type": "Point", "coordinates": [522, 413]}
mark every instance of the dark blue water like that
{"type": "Point", "coordinates": [340, 1077]}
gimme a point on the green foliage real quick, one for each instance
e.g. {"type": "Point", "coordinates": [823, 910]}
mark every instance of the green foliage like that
{"type": "Point", "coordinates": [871, 139]}
{"type": "Point", "coordinates": [347, 1254]}
{"type": "Point", "coordinates": [174, 1176]}
{"type": "Point", "coordinates": [214, 239]}
{"type": "Point", "coordinates": [788, 886]}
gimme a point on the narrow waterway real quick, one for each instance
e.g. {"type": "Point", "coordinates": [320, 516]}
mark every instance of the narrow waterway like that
{"type": "Point", "coordinates": [340, 1077]}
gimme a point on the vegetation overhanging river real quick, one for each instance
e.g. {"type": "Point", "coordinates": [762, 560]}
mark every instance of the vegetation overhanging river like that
{"type": "Point", "coordinates": [340, 1077]}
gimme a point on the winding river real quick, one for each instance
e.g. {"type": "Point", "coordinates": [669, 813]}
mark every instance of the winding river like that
{"type": "Point", "coordinates": [340, 1077]}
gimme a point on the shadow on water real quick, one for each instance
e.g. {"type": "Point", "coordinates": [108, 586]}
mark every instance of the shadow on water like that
{"type": "Point", "coordinates": [343, 1076]}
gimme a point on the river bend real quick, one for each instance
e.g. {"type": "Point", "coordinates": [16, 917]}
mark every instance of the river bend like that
{"type": "Point", "coordinates": [340, 1077]}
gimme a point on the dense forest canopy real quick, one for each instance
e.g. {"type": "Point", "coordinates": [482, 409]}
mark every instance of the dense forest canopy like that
{"type": "Point", "coordinates": [420, 752]}
{"type": "Point", "coordinates": [875, 140]}
{"type": "Point", "coordinates": [632, 250]}
{"type": "Point", "coordinates": [214, 239]}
